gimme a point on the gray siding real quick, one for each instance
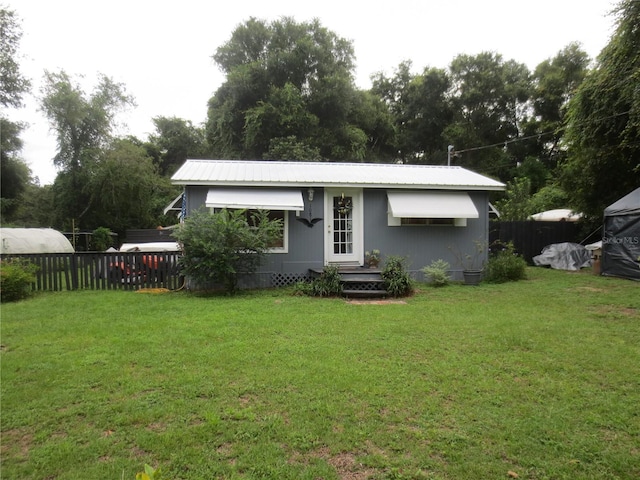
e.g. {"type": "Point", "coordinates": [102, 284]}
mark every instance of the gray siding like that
{"type": "Point", "coordinates": [419, 244]}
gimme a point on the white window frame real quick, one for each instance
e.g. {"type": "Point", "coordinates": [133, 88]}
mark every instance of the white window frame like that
{"type": "Point", "coordinates": [285, 230]}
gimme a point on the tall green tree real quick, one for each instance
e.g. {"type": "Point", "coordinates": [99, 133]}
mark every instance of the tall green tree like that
{"type": "Point", "coordinates": [126, 189]}
{"type": "Point", "coordinates": [15, 174]}
{"type": "Point", "coordinates": [84, 126]}
{"type": "Point", "coordinates": [555, 82]}
{"type": "Point", "coordinates": [36, 207]}
{"type": "Point", "coordinates": [175, 140]}
{"type": "Point", "coordinates": [420, 109]}
{"type": "Point", "coordinates": [489, 96]}
{"type": "Point", "coordinates": [604, 122]}
{"type": "Point", "coordinates": [289, 88]}
{"type": "Point", "coordinates": [13, 85]}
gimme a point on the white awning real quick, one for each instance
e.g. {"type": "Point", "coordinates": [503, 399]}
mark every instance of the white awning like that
{"type": "Point", "coordinates": [431, 204]}
{"type": "Point", "coordinates": [255, 198]}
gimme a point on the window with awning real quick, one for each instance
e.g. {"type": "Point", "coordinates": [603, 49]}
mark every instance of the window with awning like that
{"type": "Point", "coordinates": [255, 199]}
{"type": "Point", "coordinates": [429, 208]}
{"type": "Point", "coordinates": [277, 201]}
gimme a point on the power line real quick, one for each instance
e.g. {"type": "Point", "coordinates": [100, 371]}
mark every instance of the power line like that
{"type": "Point", "coordinates": [529, 137]}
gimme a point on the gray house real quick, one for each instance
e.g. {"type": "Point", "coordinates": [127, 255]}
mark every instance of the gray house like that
{"type": "Point", "coordinates": [335, 212]}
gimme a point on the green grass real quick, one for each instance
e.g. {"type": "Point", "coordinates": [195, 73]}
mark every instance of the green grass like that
{"type": "Point", "coordinates": [540, 378]}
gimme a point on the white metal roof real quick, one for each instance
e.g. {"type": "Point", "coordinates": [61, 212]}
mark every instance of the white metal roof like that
{"type": "Point", "coordinates": [411, 204]}
{"type": "Point", "coordinates": [323, 174]}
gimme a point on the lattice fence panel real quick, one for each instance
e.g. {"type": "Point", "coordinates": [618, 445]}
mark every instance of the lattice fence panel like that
{"type": "Point", "coordinates": [286, 279]}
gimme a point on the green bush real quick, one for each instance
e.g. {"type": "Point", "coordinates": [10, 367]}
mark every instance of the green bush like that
{"type": "Point", "coordinates": [506, 266]}
{"type": "Point", "coordinates": [438, 273]}
{"type": "Point", "coordinates": [328, 284]}
{"type": "Point", "coordinates": [220, 246]}
{"type": "Point", "coordinates": [101, 239]}
{"type": "Point", "coordinates": [397, 280]}
{"type": "Point", "coordinates": [16, 277]}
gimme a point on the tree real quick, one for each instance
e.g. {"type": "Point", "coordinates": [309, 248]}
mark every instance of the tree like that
{"type": "Point", "coordinates": [126, 190]}
{"type": "Point", "coordinates": [516, 204]}
{"type": "Point", "coordinates": [603, 122]}
{"type": "Point", "coordinates": [174, 141]}
{"type": "Point", "coordinates": [289, 89]}
{"type": "Point", "coordinates": [83, 124]}
{"type": "Point", "coordinates": [15, 174]}
{"type": "Point", "coordinates": [519, 204]}
{"type": "Point", "coordinates": [12, 83]}
{"type": "Point", "coordinates": [555, 82]}
{"type": "Point", "coordinates": [420, 110]}
{"type": "Point", "coordinates": [489, 96]}
{"type": "Point", "coordinates": [218, 247]}
{"type": "Point", "coordinates": [84, 127]}
{"type": "Point", "coordinates": [36, 207]}
{"type": "Point", "coordinates": [283, 114]}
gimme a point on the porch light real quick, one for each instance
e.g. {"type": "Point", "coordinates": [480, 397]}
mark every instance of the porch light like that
{"type": "Point", "coordinates": [311, 191]}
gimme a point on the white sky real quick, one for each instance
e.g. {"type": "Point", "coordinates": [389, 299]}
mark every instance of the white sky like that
{"type": "Point", "coordinates": [162, 50]}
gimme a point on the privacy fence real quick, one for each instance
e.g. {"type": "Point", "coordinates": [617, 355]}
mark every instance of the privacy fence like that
{"type": "Point", "coordinates": [104, 271]}
{"type": "Point", "coordinates": [530, 237]}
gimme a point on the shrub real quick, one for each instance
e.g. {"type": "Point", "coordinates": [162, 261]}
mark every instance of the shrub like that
{"type": "Point", "coordinates": [397, 280]}
{"type": "Point", "coordinates": [438, 273]}
{"type": "Point", "coordinates": [328, 284]}
{"type": "Point", "coordinates": [101, 239]}
{"type": "Point", "coordinates": [506, 266]}
{"type": "Point", "coordinates": [16, 277]}
{"type": "Point", "coordinates": [220, 246]}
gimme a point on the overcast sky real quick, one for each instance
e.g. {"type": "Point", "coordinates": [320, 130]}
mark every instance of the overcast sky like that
{"type": "Point", "coordinates": [162, 50]}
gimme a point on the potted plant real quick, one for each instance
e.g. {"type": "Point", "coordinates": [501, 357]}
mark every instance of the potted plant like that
{"type": "Point", "coordinates": [472, 263]}
{"type": "Point", "coordinates": [372, 258]}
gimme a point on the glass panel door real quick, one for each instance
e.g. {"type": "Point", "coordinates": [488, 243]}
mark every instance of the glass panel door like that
{"type": "Point", "coordinates": [344, 235]}
{"type": "Point", "coordinates": [342, 225]}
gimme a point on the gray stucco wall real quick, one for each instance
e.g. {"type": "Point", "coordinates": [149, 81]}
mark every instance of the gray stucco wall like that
{"type": "Point", "coordinates": [419, 244]}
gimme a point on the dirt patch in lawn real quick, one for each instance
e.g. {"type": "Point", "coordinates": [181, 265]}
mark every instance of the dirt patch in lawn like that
{"type": "Point", "coordinates": [16, 441]}
{"type": "Point", "coordinates": [346, 464]}
{"type": "Point", "coordinates": [616, 311]}
{"type": "Point", "coordinates": [589, 289]}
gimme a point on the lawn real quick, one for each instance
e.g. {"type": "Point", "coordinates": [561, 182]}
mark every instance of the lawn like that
{"type": "Point", "coordinates": [538, 379]}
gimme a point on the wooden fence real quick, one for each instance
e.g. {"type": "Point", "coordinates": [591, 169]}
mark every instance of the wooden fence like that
{"type": "Point", "coordinates": [104, 271]}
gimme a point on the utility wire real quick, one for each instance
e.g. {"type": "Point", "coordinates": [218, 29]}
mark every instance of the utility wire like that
{"type": "Point", "coordinates": [528, 137]}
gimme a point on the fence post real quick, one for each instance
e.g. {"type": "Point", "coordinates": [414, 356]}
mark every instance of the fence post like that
{"type": "Point", "coordinates": [74, 271]}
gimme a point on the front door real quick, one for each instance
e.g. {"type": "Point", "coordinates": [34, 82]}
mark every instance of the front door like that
{"type": "Point", "coordinates": [344, 235]}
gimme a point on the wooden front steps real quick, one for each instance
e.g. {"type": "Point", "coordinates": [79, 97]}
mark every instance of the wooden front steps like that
{"type": "Point", "coordinates": [359, 282]}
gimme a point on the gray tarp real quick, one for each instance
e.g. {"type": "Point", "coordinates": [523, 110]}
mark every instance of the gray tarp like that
{"type": "Point", "coordinates": [621, 238]}
{"type": "Point", "coordinates": [564, 256]}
